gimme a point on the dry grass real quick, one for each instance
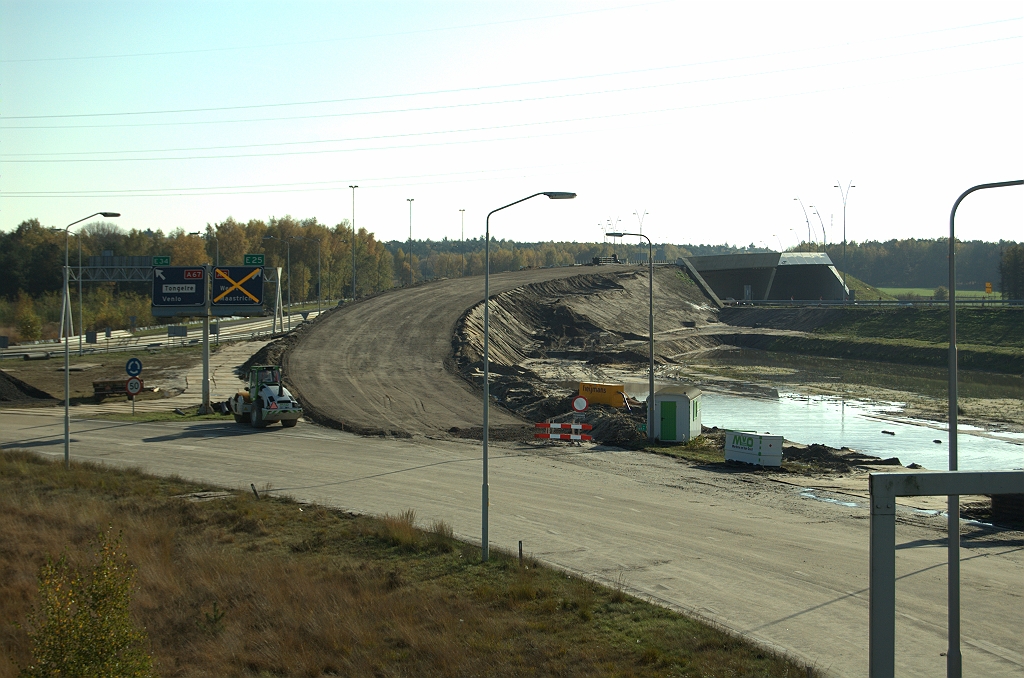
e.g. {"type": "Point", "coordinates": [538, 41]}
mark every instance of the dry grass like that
{"type": "Point", "coordinates": [245, 587]}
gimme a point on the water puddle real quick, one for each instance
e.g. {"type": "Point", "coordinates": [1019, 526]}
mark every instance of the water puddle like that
{"type": "Point", "coordinates": [859, 425]}
{"type": "Point", "coordinates": [808, 493]}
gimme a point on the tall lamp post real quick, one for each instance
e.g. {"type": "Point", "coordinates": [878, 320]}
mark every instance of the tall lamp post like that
{"type": "Point", "coordinates": [288, 245]}
{"type": "Point", "coordinates": [805, 219]}
{"type": "Point", "coordinates": [554, 195]}
{"type": "Point", "coordinates": [650, 396]}
{"type": "Point", "coordinates": [81, 310]}
{"type": "Point", "coordinates": [845, 194]}
{"type": "Point", "coordinates": [66, 310]}
{"type": "Point", "coordinates": [318, 279]}
{"type": "Point", "coordinates": [353, 241]}
{"type": "Point", "coordinates": [824, 236]}
{"type": "Point", "coordinates": [640, 218]}
{"type": "Point", "coordinates": [954, 659]}
{"type": "Point", "coordinates": [462, 240]}
{"type": "Point", "coordinates": [410, 221]}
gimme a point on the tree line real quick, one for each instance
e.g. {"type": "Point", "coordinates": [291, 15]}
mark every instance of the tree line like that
{"type": "Point", "coordinates": [925, 263]}
{"type": "Point", "coordinates": [317, 262]}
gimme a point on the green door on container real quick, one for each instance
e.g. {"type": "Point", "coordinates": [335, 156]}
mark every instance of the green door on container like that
{"type": "Point", "coordinates": [668, 420]}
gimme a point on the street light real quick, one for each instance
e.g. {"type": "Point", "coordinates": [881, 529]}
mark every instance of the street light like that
{"type": "Point", "coordinates": [353, 241]}
{"type": "Point", "coordinates": [845, 194]}
{"type": "Point", "coordinates": [66, 310]}
{"type": "Point", "coordinates": [462, 246]}
{"type": "Point", "coordinates": [650, 397]}
{"type": "Point", "coordinates": [288, 245]}
{"type": "Point", "coordinates": [805, 219]}
{"type": "Point", "coordinates": [318, 280]}
{"type": "Point", "coordinates": [554, 195]}
{"type": "Point", "coordinates": [824, 237]}
{"type": "Point", "coordinates": [954, 659]}
{"type": "Point", "coordinates": [410, 222]}
{"type": "Point", "coordinates": [640, 218]}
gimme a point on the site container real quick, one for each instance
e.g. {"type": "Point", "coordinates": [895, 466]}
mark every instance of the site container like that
{"type": "Point", "coordinates": [677, 413]}
{"type": "Point", "coordinates": [606, 394]}
{"type": "Point", "coordinates": [753, 448]}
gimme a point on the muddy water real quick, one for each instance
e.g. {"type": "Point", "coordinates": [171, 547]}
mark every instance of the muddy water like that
{"type": "Point", "coordinates": [859, 425]}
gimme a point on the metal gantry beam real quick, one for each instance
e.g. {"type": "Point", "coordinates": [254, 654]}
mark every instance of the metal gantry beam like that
{"type": "Point", "coordinates": [884, 488]}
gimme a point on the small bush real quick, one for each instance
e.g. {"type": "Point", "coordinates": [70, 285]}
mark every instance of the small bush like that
{"type": "Point", "coordinates": [441, 537]}
{"type": "Point", "coordinates": [82, 625]}
{"type": "Point", "coordinates": [401, 530]}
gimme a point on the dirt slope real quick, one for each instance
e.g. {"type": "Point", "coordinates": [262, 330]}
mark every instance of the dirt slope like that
{"type": "Point", "coordinates": [379, 365]}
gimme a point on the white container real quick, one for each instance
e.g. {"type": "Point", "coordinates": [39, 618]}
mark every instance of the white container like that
{"type": "Point", "coordinates": [677, 412]}
{"type": "Point", "coordinates": [753, 448]}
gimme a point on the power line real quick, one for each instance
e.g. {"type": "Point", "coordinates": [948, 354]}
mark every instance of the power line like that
{"type": "Point", "coordinates": [473, 104]}
{"type": "Point", "coordinates": [128, 191]}
{"type": "Point", "coordinates": [592, 118]}
{"type": "Point", "coordinates": [500, 86]}
{"type": "Point", "coordinates": [332, 40]}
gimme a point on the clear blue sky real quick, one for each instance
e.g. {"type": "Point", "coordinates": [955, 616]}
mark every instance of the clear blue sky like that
{"type": "Point", "coordinates": [710, 116]}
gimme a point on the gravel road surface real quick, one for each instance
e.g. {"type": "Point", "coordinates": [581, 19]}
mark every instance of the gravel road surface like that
{"type": "Point", "coordinates": [379, 364]}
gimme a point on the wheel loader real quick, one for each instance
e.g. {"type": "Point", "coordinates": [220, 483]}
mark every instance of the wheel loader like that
{"type": "Point", "coordinates": [267, 400]}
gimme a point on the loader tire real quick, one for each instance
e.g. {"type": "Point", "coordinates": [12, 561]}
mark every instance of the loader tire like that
{"type": "Point", "coordinates": [241, 419]}
{"type": "Point", "coordinates": [288, 423]}
{"type": "Point", "coordinates": [257, 416]}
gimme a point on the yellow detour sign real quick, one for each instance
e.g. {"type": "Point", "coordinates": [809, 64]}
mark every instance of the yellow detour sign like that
{"type": "Point", "coordinates": [606, 394]}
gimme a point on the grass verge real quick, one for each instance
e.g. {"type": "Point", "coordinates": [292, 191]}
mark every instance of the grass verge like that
{"type": "Point", "coordinates": [245, 587]}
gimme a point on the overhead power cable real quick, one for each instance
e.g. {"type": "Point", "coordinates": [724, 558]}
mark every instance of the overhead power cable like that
{"type": "Point", "coordinates": [592, 118]}
{"type": "Point", "coordinates": [327, 183]}
{"type": "Point", "coordinates": [492, 103]}
{"type": "Point", "coordinates": [395, 34]}
{"type": "Point", "coordinates": [503, 85]}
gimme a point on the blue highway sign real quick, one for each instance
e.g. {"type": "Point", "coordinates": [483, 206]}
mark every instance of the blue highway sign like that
{"type": "Point", "coordinates": [179, 286]}
{"type": "Point", "coordinates": [133, 367]}
{"type": "Point", "coordinates": [237, 286]}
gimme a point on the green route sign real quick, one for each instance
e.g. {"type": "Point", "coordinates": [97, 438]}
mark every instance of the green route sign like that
{"type": "Point", "coordinates": [161, 261]}
{"type": "Point", "coordinates": [253, 260]}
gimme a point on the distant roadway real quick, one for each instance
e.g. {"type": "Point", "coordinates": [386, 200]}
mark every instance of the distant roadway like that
{"type": "Point", "coordinates": [379, 364]}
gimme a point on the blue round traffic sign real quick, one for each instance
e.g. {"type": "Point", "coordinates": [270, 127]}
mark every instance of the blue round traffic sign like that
{"type": "Point", "coordinates": [133, 367]}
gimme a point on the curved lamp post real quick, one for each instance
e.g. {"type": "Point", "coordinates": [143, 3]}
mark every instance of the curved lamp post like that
{"type": "Point", "coordinates": [805, 219]}
{"type": "Point", "coordinates": [824, 236]}
{"type": "Point", "coordinates": [640, 218]}
{"type": "Point", "coordinates": [554, 195]}
{"type": "Point", "coordinates": [846, 195]}
{"type": "Point", "coordinates": [66, 310]}
{"type": "Point", "coordinates": [650, 395]}
{"type": "Point", "coordinates": [954, 659]}
{"type": "Point", "coordinates": [353, 242]}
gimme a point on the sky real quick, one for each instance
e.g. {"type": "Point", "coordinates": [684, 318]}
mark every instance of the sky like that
{"type": "Point", "coordinates": [716, 122]}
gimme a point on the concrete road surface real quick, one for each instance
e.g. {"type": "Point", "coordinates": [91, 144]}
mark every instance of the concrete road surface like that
{"type": "Point", "coordinates": [764, 558]}
{"type": "Point", "coordinates": [379, 364]}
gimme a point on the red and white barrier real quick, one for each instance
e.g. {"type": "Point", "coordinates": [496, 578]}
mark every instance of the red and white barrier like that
{"type": "Point", "coordinates": [562, 436]}
{"type": "Point", "coordinates": [573, 427]}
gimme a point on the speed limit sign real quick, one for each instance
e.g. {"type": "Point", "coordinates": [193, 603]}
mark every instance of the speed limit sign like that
{"type": "Point", "coordinates": [133, 386]}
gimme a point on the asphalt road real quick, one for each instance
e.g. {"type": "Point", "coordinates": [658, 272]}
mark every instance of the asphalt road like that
{"type": "Point", "coordinates": [379, 364]}
{"type": "Point", "coordinates": [758, 556]}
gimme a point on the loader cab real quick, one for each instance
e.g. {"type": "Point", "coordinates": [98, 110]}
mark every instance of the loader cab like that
{"type": "Point", "coordinates": [264, 375]}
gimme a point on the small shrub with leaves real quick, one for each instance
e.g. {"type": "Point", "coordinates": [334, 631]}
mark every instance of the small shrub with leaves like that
{"type": "Point", "coordinates": [82, 625]}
